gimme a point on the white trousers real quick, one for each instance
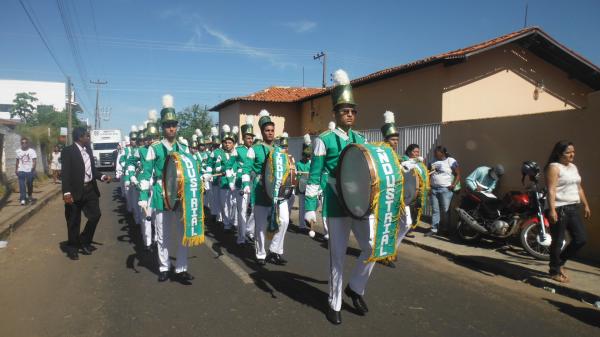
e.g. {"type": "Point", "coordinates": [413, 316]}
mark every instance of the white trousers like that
{"type": "Point", "coordinates": [165, 222]}
{"type": "Point", "coordinates": [339, 233]}
{"type": "Point", "coordinates": [242, 200]}
{"type": "Point", "coordinates": [147, 226]}
{"type": "Point", "coordinates": [261, 214]}
{"type": "Point", "coordinates": [250, 227]}
{"type": "Point", "coordinates": [226, 209]}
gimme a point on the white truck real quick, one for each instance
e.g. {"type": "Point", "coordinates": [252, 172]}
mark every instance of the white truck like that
{"type": "Point", "coordinates": [105, 145]}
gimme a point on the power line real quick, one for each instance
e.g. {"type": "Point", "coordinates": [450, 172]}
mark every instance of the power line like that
{"type": "Point", "coordinates": [43, 39]}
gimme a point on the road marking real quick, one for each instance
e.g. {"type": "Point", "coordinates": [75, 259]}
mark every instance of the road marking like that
{"type": "Point", "coordinates": [229, 263]}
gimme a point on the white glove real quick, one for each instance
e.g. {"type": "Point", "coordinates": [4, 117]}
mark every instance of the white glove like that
{"type": "Point", "coordinates": [134, 180]}
{"type": "Point", "coordinates": [207, 177]}
{"type": "Point", "coordinates": [127, 183]}
{"type": "Point", "coordinates": [143, 204]}
{"type": "Point", "coordinates": [310, 217]}
{"type": "Point", "coordinates": [229, 173]}
{"type": "Point", "coordinates": [232, 187]}
{"type": "Point", "coordinates": [247, 190]}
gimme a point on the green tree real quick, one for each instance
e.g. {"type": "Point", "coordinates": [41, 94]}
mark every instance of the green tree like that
{"type": "Point", "coordinates": [191, 118]}
{"type": "Point", "coordinates": [23, 106]}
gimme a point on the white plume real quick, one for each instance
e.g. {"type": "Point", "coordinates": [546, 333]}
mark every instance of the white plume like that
{"type": "Point", "coordinates": [388, 117]}
{"type": "Point", "coordinates": [152, 115]}
{"type": "Point", "coordinates": [214, 131]}
{"type": "Point", "coordinates": [194, 137]}
{"type": "Point", "coordinates": [284, 135]}
{"type": "Point", "coordinates": [235, 130]}
{"type": "Point", "coordinates": [226, 128]}
{"type": "Point", "coordinates": [331, 125]}
{"type": "Point", "coordinates": [167, 101]}
{"type": "Point", "coordinates": [140, 127]}
{"type": "Point", "coordinates": [127, 139]}
{"type": "Point", "coordinates": [340, 77]}
{"type": "Point", "coordinates": [146, 124]}
{"type": "Point", "coordinates": [198, 133]}
{"type": "Point", "coordinates": [263, 113]}
{"type": "Point", "coordinates": [307, 139]}
{"type": "Point", "coordinates": [134, 128]}
{"type": "Point", "coordinates": [259, 136]}
{"type": "Point", "coordinates": [249, 119]}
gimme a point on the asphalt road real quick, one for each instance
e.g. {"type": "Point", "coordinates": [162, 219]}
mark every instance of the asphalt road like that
{"type": "Point", "coordinates": [114, 292]}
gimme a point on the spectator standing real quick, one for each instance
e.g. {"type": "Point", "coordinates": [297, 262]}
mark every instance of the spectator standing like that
{"type": "Point", "coordinates": [25, 170]}
{"type": "Point", "coordinates": [565, 200]}
{"type": "Point", "coordinates": [445, 176]}
{"type": "Point", "coordinates": [55, 165]}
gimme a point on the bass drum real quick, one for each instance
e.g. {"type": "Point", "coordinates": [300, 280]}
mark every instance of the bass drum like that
{"type": "Point", "coordinates": [172, 178]}
{"type": "Point", "coordinates": [302, 182]}
{"type": "Point", "coordinates": [287, 186]}
{"type": "Point", "coordinates": [356, 177]}
{"type": "Point", "coordinates": [411, 186]}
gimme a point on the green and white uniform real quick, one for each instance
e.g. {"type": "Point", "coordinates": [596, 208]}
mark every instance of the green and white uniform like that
{"type": "Point", "coordinates": [242, 199]}
{"type": "Point", "coordinates": [327, 149]}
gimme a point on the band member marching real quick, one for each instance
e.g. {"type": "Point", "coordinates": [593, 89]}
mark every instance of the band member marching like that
{"type": "Point", "coordinates": [257, 156]}
{"type": "Point", "coordinates": [326, 152]}
{"type": "Point", "coordinates": [302, 169]}
{"type": "Point", "coordinates": [226, 164]}
{"type": "Point", "coordinates": [164, 219]}
{"type": "Point", "coordinates": [128, 161]}
{"type": "Point", "coordinates": [243, 199]}
{"type": "Point", "coordinates": [215, 201]}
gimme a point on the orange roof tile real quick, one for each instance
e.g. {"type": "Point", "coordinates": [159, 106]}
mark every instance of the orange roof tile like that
{"type": "Point", "coordinates": [273, 94]}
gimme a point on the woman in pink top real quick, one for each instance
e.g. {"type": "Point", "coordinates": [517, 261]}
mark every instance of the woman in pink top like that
{"type": "Point", "coordinates": [565, 199]}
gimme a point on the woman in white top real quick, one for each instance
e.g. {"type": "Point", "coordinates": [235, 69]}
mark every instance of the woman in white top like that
{"type": "Point", "coordinates": [445, 175]}
{"type": "Point", "coordinates": [55, 163]}
{"type": "Point", "coordinates": [565, 198]}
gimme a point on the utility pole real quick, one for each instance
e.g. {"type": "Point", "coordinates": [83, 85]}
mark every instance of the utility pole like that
{"type": "Point", "coordinates": [324, 56]}
{"type": "Point", "coordinates": [97, 114]}
{"type": "Point", "coordinates": [69, 113]}
{"type": "Point", "coordinates": [526, 10]}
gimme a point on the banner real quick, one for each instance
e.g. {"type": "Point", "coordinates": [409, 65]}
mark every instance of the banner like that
{"type": "Point", "coordinates": [190, 191]}
{"type": "Point", "coordinates": [388, 201]}
{"type": "Point", "coordinates": [423, 192]}
{"type": "Point", "coordinates": [280, 169]}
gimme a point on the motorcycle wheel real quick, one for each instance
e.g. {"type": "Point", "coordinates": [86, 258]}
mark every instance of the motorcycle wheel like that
{"type": "Point", "coordinates": [465, 233]}
{"type": "Point", "coordinates": [530, 243]}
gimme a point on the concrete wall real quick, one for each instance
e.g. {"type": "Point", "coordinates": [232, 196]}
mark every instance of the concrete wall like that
{"type": "Point", "coordinates": [496, 83]}
{"type": "Point", "coordinates": [512, 140]}
{"type": "Point", "coordinates": [503, 82]}
{"type": "Point", "coordinates": [286, 116]}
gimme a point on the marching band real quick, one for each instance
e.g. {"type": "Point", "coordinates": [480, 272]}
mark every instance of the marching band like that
{"type": "Point", "coordinates": [248, 183]}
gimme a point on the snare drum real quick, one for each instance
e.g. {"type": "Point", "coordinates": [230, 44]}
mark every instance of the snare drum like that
{"type": "Point", "coordinates": [287, 185]}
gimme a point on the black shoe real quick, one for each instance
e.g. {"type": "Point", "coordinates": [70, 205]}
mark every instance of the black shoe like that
{"type": "Point", "coordinates": [147, 249]}
{"type": "Point", "coordinates": [388, 263]}
{"type": "Point", "coordinates": [430, 234]}
{"type": "Point", "coordinates": [335, 317]}
{"type": "Point", "coordinates": [250, 239]}
{"type": "Point", "coordinates": [72, 254]}
{"type": "Point", "coordinates": [163, 276]}
{"type": "Point", "coordinates": [410, 236]}
{"type": "Point", "coordinates": [184, 276]}
{"type": "Point", "coordinates": [261, 262]}
{"type": "Point", "coordinates": [357, 300]}
{"type": "Point", "coordinates": [276, 259]}
{"type": "Point", "coordinates": [85, 250]}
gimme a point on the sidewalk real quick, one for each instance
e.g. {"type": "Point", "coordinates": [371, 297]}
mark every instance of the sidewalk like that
{"type": "Point", "coordinates": [513, 262]}
{"type": "Point", "coordinates": [12, 215]}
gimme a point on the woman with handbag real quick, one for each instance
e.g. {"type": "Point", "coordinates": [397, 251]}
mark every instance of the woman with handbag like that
{"type": "Point", "coordinates": [445, 179]}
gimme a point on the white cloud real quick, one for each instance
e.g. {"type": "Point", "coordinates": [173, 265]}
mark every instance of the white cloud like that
{"type": "Point", "coordinates": [301, 26]}
{"type": "Point", "coordinates": [242, 48]}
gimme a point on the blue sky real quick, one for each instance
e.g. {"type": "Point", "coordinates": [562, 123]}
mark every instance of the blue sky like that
{"type": "Point", "coordinates": [206, 51]}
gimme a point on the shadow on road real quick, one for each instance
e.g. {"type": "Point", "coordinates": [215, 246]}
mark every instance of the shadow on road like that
{"type": "Point", "coordinates": [589, 316]}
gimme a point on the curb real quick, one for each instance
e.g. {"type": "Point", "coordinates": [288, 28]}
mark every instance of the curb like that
{"type": "Point", "coordinates": [19, 220]}
{"type": "Point", "coordinates": [510, 271]}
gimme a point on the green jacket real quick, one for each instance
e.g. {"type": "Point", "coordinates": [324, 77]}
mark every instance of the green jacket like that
{"type": "Point", "coordinates": [242, 157]}
{"type": "Point", "coordinates": [227, 162]}
{"type": "Point", "coordinates": [327, 149]}
{"type": "Point", "coordinates": [257, 155]}
{"type": "Point", "coordinates": [152, 173]}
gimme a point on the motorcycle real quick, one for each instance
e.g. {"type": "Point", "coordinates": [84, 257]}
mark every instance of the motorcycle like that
{"type": "Point", "coordinates": [518, 213]}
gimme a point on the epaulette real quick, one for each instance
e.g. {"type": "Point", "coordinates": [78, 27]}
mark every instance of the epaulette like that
{"type": "Point", "coordinates": [155, 142]}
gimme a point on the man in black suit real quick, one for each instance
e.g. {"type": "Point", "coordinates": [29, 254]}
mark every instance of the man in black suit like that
{"type": "Point", "coordinates": [80, 192]}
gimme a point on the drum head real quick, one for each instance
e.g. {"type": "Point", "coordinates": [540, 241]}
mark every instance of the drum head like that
{"type": "Point", "coordinates": [269, 180]}
{"type": "Point", "coordinates": [356, 173]}
{"type": "Point", "coordinates": [410, 187]}
{"type": "Point", "coordinates": [170, 182]}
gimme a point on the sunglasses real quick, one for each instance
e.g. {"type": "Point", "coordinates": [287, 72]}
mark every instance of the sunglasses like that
{"type": "Point", "coordinates": [348, 111]}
